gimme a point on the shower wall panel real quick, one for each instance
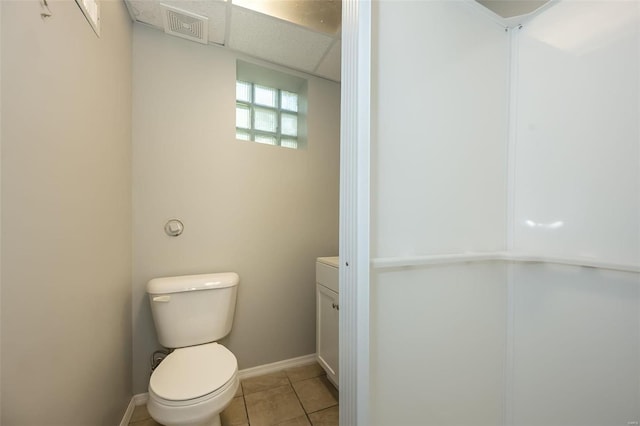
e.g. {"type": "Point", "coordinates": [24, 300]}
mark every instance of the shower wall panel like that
{"type": "Point", "coordinates": [575, 345]}
{"type": "Point", "coordinates": [440, 120]}
{"type": "Point", "coordinates": [438, 355]}
{"type": "Point", "coordinates": [491, 343]}
{"type": "Point", "coordinates": [577, 183]}
{"type": "Point", "coordinates": [575, 332]}
{"type": "Point", "coordinates": [438, 186]}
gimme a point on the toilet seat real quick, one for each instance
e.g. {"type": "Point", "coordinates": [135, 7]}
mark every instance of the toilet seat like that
{"type": "Point", "coordinates": [233, 383]}
{"type": "Point", "coordinates": [193, 374]}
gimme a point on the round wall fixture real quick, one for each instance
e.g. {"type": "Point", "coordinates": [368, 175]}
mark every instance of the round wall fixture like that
{"type": "Point", "coordinates": [174, 227]}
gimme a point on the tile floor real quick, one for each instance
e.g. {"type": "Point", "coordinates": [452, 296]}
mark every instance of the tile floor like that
{"type": "Point", "coordinates": [300, 396]}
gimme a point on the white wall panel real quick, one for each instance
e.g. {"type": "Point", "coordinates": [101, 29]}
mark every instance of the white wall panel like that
{"type": "Point", "coordinates": [576, 346]}
{"type": "Point", "coordinates": [438, 353]}
{"type": "Point", "coordinates": [474, 344]}
{"type": "Point", "coordinates": [577, 165]}
{"type": "Point", "coordinates": [438, 186]}
{"type": "Point", "coordinates": [439, 156]}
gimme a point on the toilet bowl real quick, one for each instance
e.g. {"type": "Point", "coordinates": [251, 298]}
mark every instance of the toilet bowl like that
{"type": "Point", "coordinates": [193, 385]}
{"type": "Point", "coordinates": [199, 378]}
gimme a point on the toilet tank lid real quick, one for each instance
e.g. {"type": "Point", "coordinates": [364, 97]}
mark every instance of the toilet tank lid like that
{"type": "Point", "coordinates": [192, 283]}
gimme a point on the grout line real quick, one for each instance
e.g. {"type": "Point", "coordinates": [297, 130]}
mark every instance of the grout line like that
{"type": "Point", "coordinates": [297, 396]}
{"type": "Point", "coordinates": [246, 411]}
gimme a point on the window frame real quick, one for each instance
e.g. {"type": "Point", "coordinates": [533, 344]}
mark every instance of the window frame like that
{"type": "Point", "coordinates": [251, 105]}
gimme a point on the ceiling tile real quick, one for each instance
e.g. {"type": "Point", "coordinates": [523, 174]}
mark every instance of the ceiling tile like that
{"type": "Point", "coordinates": [324, 16]}
{"type": "Point", "coordinates": [149, 12]}
{"type": "Point", "coordinates": [146, 11]}
{"type": "Point", "coordinates": [275, 40]}
{"type": "Point", "coordinates": [330, 65]}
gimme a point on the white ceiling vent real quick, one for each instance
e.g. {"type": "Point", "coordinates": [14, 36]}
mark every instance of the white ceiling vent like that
{"type": "Point", "coordinates": [185, 24]}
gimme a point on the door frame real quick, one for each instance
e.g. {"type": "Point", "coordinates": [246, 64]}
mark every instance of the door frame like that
{"type": "Point", "coordinates": [355, 137]}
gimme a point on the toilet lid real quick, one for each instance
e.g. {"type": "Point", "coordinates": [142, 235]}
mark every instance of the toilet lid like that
{"type": "Point", "coordinates": [192, 372]}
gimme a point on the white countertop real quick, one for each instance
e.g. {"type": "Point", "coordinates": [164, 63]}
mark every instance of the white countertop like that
{"type": "Point", "coordinates": [331, 261]}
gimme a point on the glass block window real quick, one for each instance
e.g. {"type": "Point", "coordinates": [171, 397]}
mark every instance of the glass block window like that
{"type": "Point", "coordinates": [266, 115]}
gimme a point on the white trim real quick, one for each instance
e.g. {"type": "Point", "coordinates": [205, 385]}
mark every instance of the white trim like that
{"type": "Point", "coordinates": [443, 259]}
{"type": "Point", "coordinates": [436, 259]}
{"type": "Point", "coordinates": [355, 128]}
{"type": "Point", "coordinates": [276, 366]}
{"type": "Point", "coordinates": [140, 398]}
{"type": "Point", "coordinates": [512, 133]}
{"type": "Point", "coordinates": [362, 297]}
{"type": "Point", "coordinates": [129, 412]}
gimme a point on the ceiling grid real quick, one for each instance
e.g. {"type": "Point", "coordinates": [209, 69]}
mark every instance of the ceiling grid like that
{"type": "Point", "coordinates": [299, 45]}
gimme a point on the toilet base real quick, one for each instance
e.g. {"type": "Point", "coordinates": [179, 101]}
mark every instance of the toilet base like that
{"type": "Point", "coordinates": [215, 421]}
{"type": "Point", "coordinates": [197, 413]}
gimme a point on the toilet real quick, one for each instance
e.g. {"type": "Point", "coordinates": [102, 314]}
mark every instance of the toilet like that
{"type": "Point", "coordinates": [199, 378]}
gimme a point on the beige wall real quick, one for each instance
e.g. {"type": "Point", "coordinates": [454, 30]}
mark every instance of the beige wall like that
{"type": "Point", "coordinates": [262, 211]}
{"type": "Point", "coordinates": [66, 215]}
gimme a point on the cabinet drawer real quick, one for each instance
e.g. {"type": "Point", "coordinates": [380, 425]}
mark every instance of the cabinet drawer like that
{"type": "Point", "coordinates": [327, 276]}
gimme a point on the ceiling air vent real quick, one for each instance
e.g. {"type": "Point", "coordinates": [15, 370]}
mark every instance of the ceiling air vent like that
{"type": "Point", "coordinates": [185, 24]}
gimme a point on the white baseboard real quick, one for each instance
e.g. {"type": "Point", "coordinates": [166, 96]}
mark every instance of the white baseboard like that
{"type": "Point", "coordinates": [127, 414]}
{"type": "Point", "coordinates": [276, 366]}
{"type": "Point", "coordinates": [138, 399]}
{"type": "Point", "coordinates": [142, 398]}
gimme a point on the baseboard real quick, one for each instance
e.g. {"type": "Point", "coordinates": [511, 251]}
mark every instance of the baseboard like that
{"type": "Point", "coordinates": [127, 414]}
{"type": "Point", "coordinates": [276, 366]}
{"type": "Point", "coordinates": [138, 399]}
{"type": "Point", "coordinates": [142, 398]}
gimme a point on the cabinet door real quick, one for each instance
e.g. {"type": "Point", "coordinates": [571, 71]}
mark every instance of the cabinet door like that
{"type": "Point", "coordinates": [327, 331]}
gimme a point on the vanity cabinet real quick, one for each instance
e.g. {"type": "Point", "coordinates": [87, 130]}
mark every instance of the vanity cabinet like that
{"type": "Point", "coordinates": [327, 316]}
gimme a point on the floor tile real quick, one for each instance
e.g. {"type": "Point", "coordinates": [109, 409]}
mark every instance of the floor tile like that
{"type": "Point", "coordinates": [261, 383]}
{"type": "Point", "coordinates": [316, 394]}
{"type": "Point", "coordinates": [139, 413]}
{"type": "Point", "coordinates": [305, 372]}
{"type": "Point", "coordinates": [235, 414]}
{"type": "Point", "coordinates": [147, 422]}
{"type": "Point", "coordinates": [273, 406]}
{"type": "Point", "coordinates": [326, 417]}
{"type": "Point", "coordinates": [298, 421]}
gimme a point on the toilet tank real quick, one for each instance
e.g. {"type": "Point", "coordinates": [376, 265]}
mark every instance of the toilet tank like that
{"type": "Point", "coordinates": [193, 309]}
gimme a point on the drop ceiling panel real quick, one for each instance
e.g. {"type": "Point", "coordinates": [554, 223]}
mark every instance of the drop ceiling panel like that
{"type": "Point", "coordinates": [149, 12]}
{"type": "Point", "coordinates": [330, 65]}
{"type": "Point", "coordinates": [324, 16]}
{"type": "Point", "coordinates": [275, 40]}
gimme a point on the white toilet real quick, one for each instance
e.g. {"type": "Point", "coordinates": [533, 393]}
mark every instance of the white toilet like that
{"type": "Point", "coordinates": [199, 379]}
